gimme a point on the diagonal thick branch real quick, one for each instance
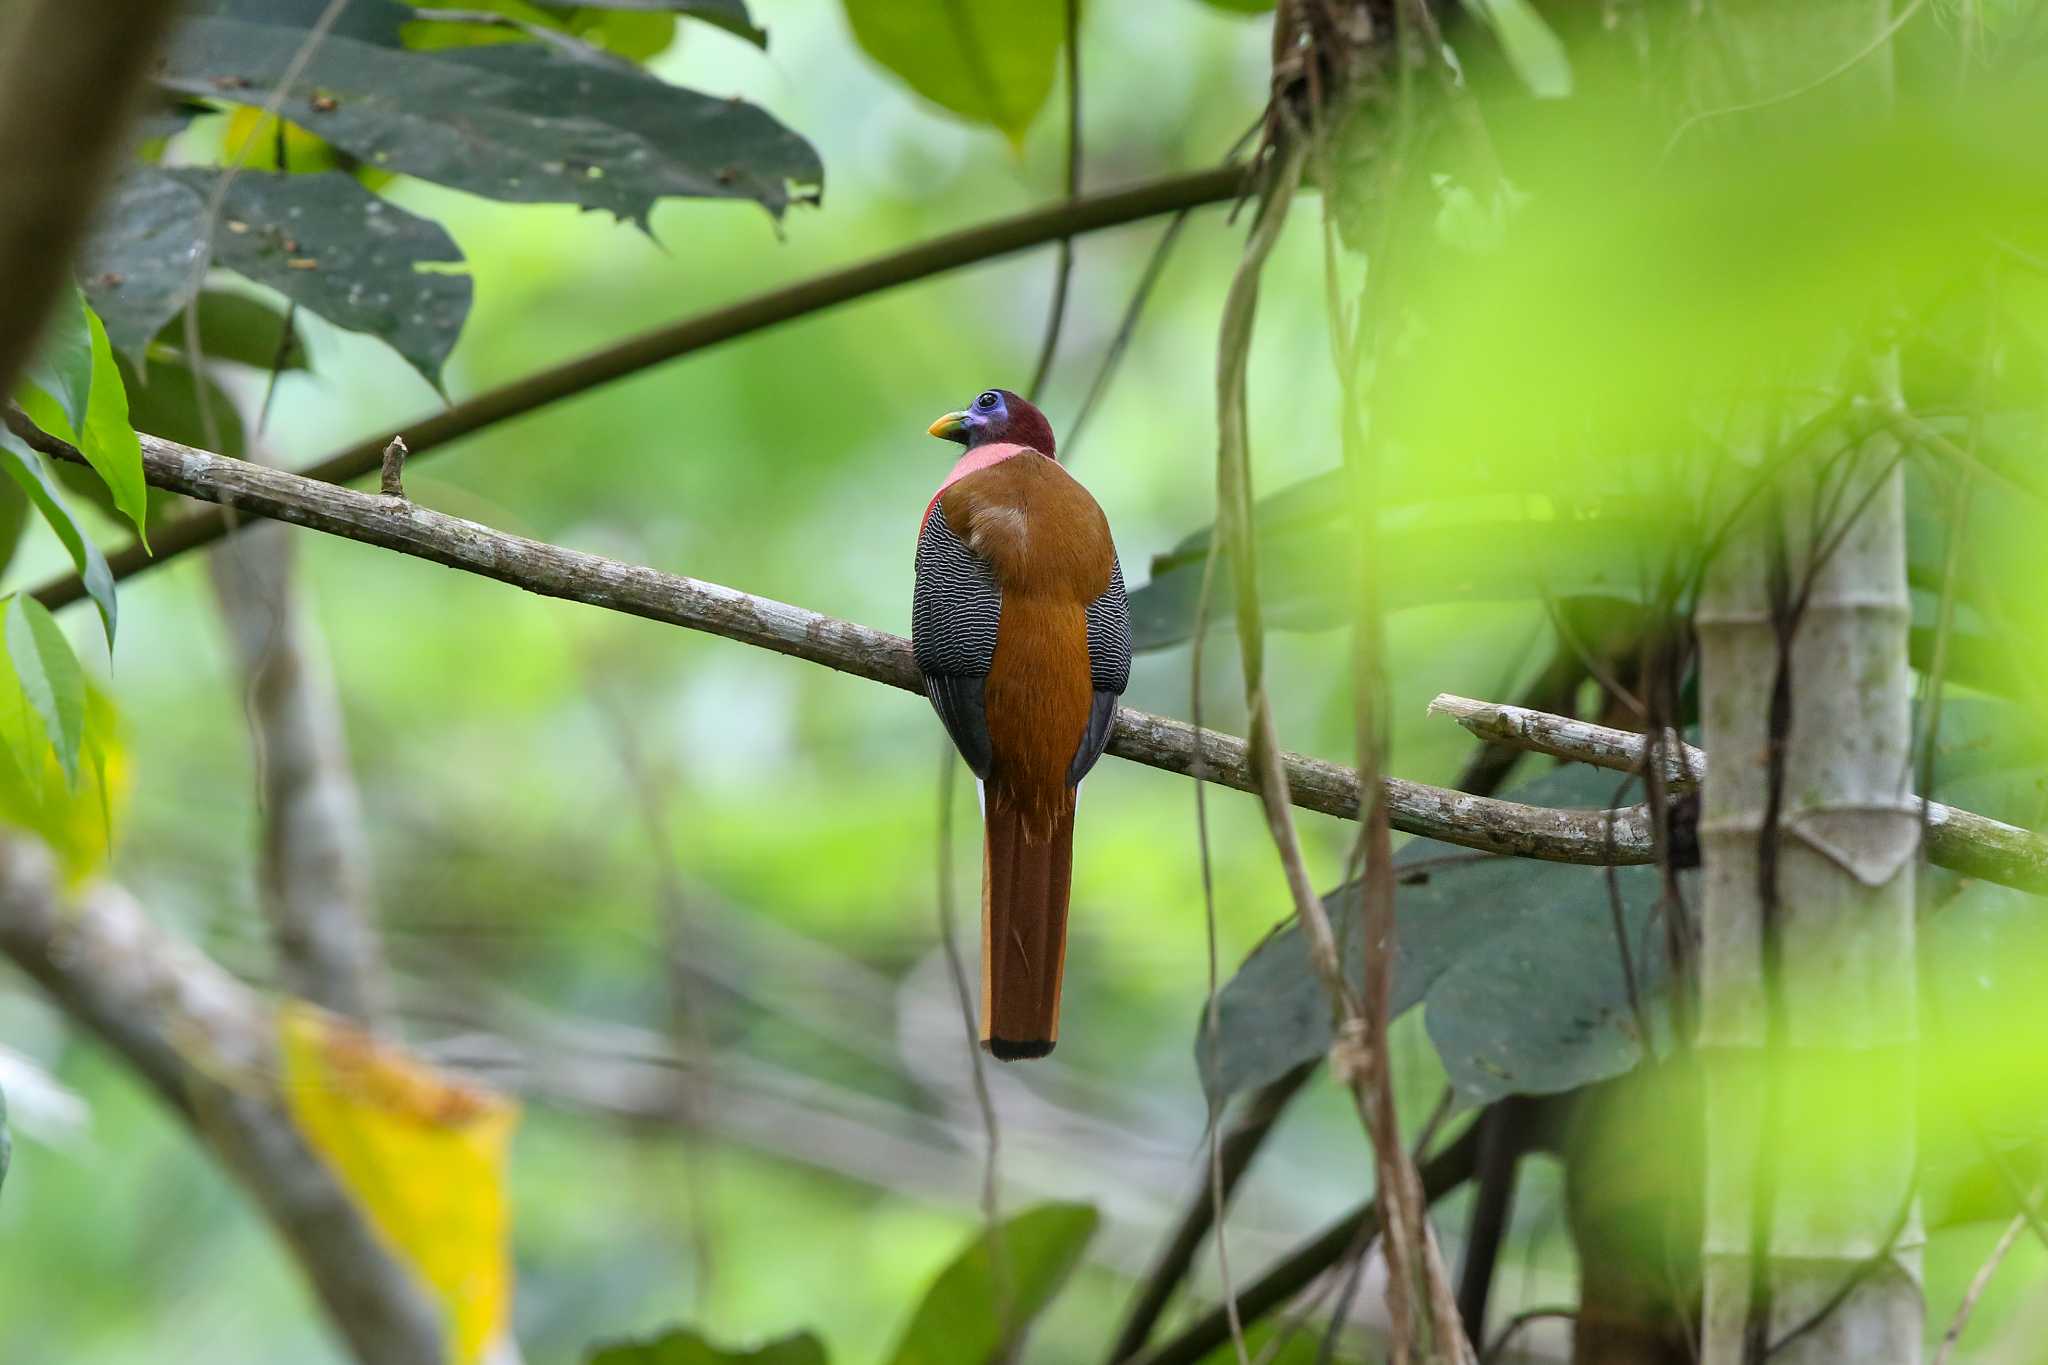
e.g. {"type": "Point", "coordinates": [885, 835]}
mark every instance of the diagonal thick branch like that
{"type": "Point", "coordinates": [1055, 222]}
{"type": "Point", "coordinates": [206, 1043]}
{"type": "Point", "coordinates": [2014, 857]}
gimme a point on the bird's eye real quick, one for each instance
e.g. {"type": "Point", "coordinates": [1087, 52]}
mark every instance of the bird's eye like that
{"type": "Point", "coordinates": [986, 401]}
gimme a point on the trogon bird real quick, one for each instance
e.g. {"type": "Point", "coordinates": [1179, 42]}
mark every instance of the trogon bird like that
{"type": "Point", "coordinates": [1023, 634]}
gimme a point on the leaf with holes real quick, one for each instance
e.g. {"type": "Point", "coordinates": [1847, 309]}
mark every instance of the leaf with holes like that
{"type": "Point", "coordinates": [966, 1315]}
{"type": "Point", "coordinates": [989, 61]}
{"type": "Point", "coordinates": [50, 677]}
{"type": "Point", "coordinates": [137, 264]}
{"type": "Point", "coordinates": [323, 241]}
{"type": "Point", "coordinates": [522, 122]}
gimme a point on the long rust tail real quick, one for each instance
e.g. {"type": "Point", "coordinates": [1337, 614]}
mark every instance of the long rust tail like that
{"type": "Point", "coordinates": [1024, 887]}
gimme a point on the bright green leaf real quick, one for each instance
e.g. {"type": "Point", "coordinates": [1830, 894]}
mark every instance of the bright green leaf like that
{"type": "Point", "coordinates": [108, 440]}
{"type": "Point", "coordinates": [990, 61]}
{"type": "Point", "coordinates": [635, 35]}
{"type": "Point", "coordinates": [681, 1346]}
{"type": "Point", "coordinates": [62, 368]}
{"type": "Point", "coordinates": [1533, 50]}
{"type": "Point", "coordinates": [29, 472]}
{"type": "Point", "coordinates": [968, 1315]}
{"type": "Point", "coordinates": [49, 675]}
{"type": "Point", "coordinates": [45, 411]}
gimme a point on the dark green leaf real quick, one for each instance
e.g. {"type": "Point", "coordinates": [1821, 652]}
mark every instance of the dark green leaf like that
{"type": "Point", "coordinates": [27, 470]}
{"type": "Point", "coordinates": [321, 240]}
{"type": "Point", "coordinates": [49, 675]}
{"type": "Point", "coordinates": [234, 327]}
{"type": "Point", "coordinates": [515, 121]}
{"type": "Point", "coordinates": [108, 439]}
{"type": "Point", "coordinates": [1482, 940]}
{"type": "Point", "coordinates": [681, 1346]}
{"type": "Point", "coordinates": [137, 264]}
{"type": "Point", "coordinates": [991, 61]}
{"type": "Point", "coordinates": [962, 1316]}
{"type": "Point", "coordinates": [62, 368]}
{"type": "Point", "coordinates": [357, 260]}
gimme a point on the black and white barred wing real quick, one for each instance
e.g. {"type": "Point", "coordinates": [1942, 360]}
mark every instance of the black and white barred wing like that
{"type": "Point", "coordinates": [954, 612]}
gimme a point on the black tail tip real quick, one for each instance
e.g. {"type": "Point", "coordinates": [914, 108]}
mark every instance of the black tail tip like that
{"type": "Point", "coordinates": [1014, 1050]}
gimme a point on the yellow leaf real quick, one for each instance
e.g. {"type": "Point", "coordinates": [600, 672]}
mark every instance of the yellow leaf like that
{"type": "Point", "coordinates": [423, 1154]}
{"type": "Point", "coordinates": [77, 823]}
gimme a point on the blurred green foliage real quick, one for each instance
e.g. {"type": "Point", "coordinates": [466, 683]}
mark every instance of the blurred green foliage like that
{"type": "Point", "coordinates": [613, 851]}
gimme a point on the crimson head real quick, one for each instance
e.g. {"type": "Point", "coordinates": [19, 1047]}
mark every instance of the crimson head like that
{"type": "Point", "coordinates": [997, 415]}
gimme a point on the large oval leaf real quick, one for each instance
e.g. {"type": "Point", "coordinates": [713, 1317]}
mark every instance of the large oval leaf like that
{"type": "Point", "coordinates": [516, 121]}
{"type": "Point", "coordinates": [968, 1315]}
{"type": "Point", "coordinates": [991, 61]}
{"type": "Point", "coordinates": [1523, 953]}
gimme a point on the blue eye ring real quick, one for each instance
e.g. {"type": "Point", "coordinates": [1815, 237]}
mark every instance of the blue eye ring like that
{"type": "Point", "coordinates": [987, 401]}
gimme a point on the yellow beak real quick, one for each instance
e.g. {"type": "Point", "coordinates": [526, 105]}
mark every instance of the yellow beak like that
{"type": "Point", "coordinates": [951, 427]}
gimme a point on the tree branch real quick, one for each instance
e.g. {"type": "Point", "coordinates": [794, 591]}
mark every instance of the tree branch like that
{"type": "Point", "coordinates": [1036, 227]}
{"type": "Point", "coordinates": [69, 74]}
{"type": "Point", "coordinates": [1960, 840]}
{"type": "Point", "coordinates": [207, 1044]}
{"type": "Point", "coordinates": [1974, 845]}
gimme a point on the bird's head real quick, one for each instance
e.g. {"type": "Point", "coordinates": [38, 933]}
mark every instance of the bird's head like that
{"type": "Point", "coordinates": [997, 415]}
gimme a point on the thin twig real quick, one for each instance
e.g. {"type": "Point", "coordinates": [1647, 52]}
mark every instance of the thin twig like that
{"type": "Point", "coordinates": [1979, 1282]}
{"type": "Point", "coordinates": [1126, 328]}
{"type": "Point", "coordinates": [1515, 1324]}
{"type": "Point", "coordinates": [1846, 64]}
{"type": "Point", "coordinates": [1217, 1194]}
{"type": "Point", "coordinates": [1063, 272]}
